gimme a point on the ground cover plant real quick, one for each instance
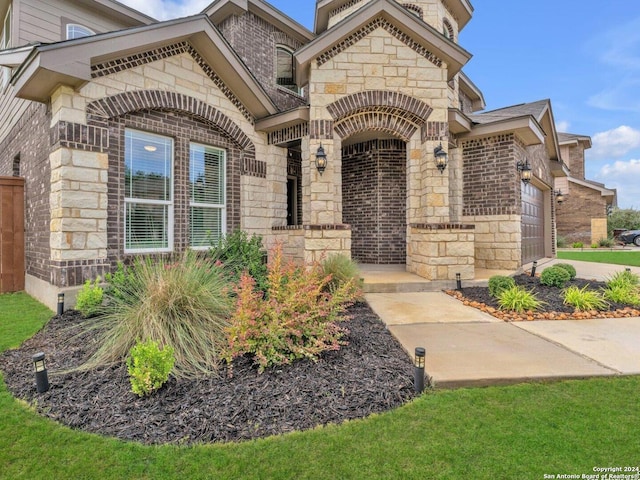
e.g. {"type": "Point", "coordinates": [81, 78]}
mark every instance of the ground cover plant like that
{"type": "Point", "coordinates": [629, 258]}
{"type": "Point", "coordinates": [522, 431]}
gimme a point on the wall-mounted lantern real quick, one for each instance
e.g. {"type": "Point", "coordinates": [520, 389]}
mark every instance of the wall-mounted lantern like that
{"type": "Point", "coordinates": [440, 157]}
{"type": "Point", "coordinates": [559, 196]}
{"type": "Point", "coordinates": [321, 159]}
{"type": "Point", "coordinates": [525, 171]}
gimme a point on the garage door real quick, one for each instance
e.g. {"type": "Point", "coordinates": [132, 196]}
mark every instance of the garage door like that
{"type": "Point", "coordinates": [532, 223]}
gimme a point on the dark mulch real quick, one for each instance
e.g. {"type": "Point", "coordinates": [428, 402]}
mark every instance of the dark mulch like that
{"type": "Point", "coordinates": [372, 374]}
{"type": "Point", "coordinates": [551, 296]}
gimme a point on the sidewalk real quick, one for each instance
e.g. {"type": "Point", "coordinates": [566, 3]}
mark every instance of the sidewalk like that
{"type": "Point", "coordinates": [467, 347]}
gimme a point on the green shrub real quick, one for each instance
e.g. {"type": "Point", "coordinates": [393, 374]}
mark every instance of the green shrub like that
{"type": "Point", "coordinates": [239, 253]}
{"type": "Point", "coordinates": [518, 299]}
{"type": "Point", "coordinates": [569, 268]}
{"type": "Point", "coordinates": [624, 293]}
{"type": "Point", "coordinates": [297, 318]}
{"type": "Point", "coordinates": [561, 242]}
{"type": "Point", "coordinates": [184, 304]}
{"type": "Point", "coordinates": [120, 281]}
{"type": "Point", "coordinates": [89, 299]}
{"type": "Point", "coordinates": [554, 277]}
{"type": "Point", "coordinates": [583, 299]}
{"type": "Point", "coordinates": [498, 283]}
{"type": "Point", "coordinates": [577, 245]}
{"type": "Point", "coordinates": [594, 245]}
{"type": "Point", "coordinates": [623, 278]}
{"type": "Point", "coordinates": [149, 367]}
{"type": "Point", "coordinates": [606, 242]}
{"type": "Point", "coordinates": [342, 270]}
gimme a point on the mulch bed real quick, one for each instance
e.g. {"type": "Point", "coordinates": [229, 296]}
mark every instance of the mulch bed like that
{"type": "Point", "coordinates": [553, 307]}
{"type": "Point", "coordinates": [372, 374]}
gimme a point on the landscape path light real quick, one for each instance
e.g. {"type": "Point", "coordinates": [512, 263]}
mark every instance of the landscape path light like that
{"type": "Point", "coordinates": [40, 368]}
{"type": "Point", "coordinates": [418, 370]}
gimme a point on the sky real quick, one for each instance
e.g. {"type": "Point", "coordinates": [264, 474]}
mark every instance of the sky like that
{"type": "Point", "coordinates": [583, 55]}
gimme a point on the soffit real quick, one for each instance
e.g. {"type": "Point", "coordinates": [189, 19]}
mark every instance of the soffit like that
{"type": "Point", "coordinates": [70, 62]}
{"type": "Point", "coordinates": [221, 9]}
{"type": "Point", "coordinates": [283, 120]}
{"type": "Point", "coordinates": [472, 91]}
{"type": "Point", "coordinates": [421, 33]}
{"type": "Point", "coordinates": [604, 191]}
{"type": "Point", "coordinates": [526, 127]}
{"type": "Point", "coordinates": [459, 122]}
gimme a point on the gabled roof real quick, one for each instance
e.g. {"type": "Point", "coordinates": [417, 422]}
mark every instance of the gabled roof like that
{"type": "Point", "coordinates": [470, 90]}
{"type": "Point", "coordinates": [574, 139]}
{"type": "Point", "coordinates": [461, 9]}
{"type": "Point", "coordinates": [69, 62]}
{"type": "Point", "coordinates": [598, 187]}
{"type": "Point", "coordinates": [420, 32]}
{"type": "Point", "coordinates": [219, 10]}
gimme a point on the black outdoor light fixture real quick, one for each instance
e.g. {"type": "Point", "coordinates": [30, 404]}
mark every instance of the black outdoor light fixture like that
{"type": "Point", "coordinates": [321, 159]}
{"type": "Point", "coordinates": [525, 171]}
{"type": "Point", "coordinates": [533, 268]}
{"type": "Point", "coordinates": [458, 281]}
{"type": "Point", "coordinates": [60, 303]}
{"type": "Point", "coordinates": [559, 196]}
{"type": "Point", "coordinates": [441, 157]}
{"type": "Point", "coordinates": [40, 368]}
{"type": "Point", "coordinates": [418, 370]}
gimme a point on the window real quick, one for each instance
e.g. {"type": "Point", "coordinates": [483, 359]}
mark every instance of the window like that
{"type": "Point", "coordinates": [78, 31]}
{"type": "Point", "coordinates": [16, 165]}
{"type": "Point", "coordinates": [5, 42]}
{"type": "Point", "coordinates": [207, 167]}
{"type": "Point", "coordinates": [148, 192]}
{"type": "Point", "coordinates": [284, 68]}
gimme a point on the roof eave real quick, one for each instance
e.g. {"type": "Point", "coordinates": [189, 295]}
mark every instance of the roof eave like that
{"type": "Point", "coordinates": [283, 120]}
{"type": "Point", "coordinates": [526, 127]}
{"type": "Point", "coordinates": [462, 10]}
{"type": "Point", "coordinates": [472, 91]}
{"type": "Point", "coordinates": [459, 122]}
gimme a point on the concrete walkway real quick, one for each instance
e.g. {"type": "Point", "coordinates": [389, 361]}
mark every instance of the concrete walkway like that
{"type": "Point", "coordinates": [467, 347]}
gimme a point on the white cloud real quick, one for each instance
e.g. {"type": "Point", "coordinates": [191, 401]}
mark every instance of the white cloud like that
{"type": "Point", "coordinates": [168, 9]}
{"type": "Point", "coordinates": [562, 126]}
{"type": "Point", "coordinates": [614, 143]}
{"type": "Point", "coordinates": [622, 96]}
{"type": "Point", "coordinates": [623, 176]}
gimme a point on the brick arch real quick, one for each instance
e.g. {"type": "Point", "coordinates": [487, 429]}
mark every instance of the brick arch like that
{"type": "Point", "coordinates": [379, 110]}
{"type": "Point", "coordinates": [122, 103]}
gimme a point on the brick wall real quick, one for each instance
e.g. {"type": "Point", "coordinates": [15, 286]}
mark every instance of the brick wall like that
{"type": "Point", "coordinates": [574, 215]}
{"type": "Point", "coordinates": [576, 161]}
{"type": "Point", "coordinates": [27, 145]}
{"type": "Point", "coordinates": [374, 200]}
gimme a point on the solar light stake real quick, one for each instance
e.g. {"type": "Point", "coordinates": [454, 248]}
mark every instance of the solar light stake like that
{"type": "Point", "coordinates": [418, 370]}
{"type": "Point", "coordinates": [628, 269]}
{"type": "Point", "coordinates": [533, 268]}
{"type": "Point", "coordinates": [42, 379]}
{"type": "Point", "coordinates": [60, 303]}
{"type": "Point", "coordinates": [458, 282]}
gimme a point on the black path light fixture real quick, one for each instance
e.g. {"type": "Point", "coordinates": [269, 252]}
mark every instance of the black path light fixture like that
{"type": "Point", "coordinates": [440, 157]}
{"type": "Point", "coordinates": [60, 310]}
{"type": "Point", "coordinates": [559, 196]}
{"type": "Point", "coordinates": [418, 369]}
{"type": "Point", "coordinates": [525, 171]}
{"type": "Point", "coordinates": [40, 368]}
{"type": "Point", "coordinates": [321, 159]}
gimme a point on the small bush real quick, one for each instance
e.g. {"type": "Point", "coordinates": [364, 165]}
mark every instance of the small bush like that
{"type": "Point", "coordinates": [561, 242]}
{"type": "Point", "coordinates": [606, 242]}
{"type": "Point", "coordinates": [554, 277]}
{"type": "Point", "coordinates": [90, 298]}
{"type": "Point", "coordinates": [623, 278]}
{"type": "Point", "coordinates": [594, 245]}
{"type": "Point", "coordinates": [583, 299]}
{"type": "Point", "coordinates": [623, 293]}
{"type": "Point", "coordinates": [518, 299]}
{"type": "Point", "coordinates": [577, 245]}
{"type": "Point", "coordinates": [341, 270]}
{"type": "Point", "coordinates": [297, 318]}
{"type": "Point", "coordinates": [149, 367]}
{"type": "Point", "coordinates": [569, 268]}
{"type": "Point", "coordinates": [498, 283]}
{"type": "Point", "coordinates": [239, 253]}
{"type": "Point", "coordinates": [120, 281]}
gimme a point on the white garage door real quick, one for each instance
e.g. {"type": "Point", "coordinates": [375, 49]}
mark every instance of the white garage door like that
{"type": "Point", "coordinates": [532, 223]}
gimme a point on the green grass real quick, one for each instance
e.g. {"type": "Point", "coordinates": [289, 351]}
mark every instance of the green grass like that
{"type": "Point", "coordinates": [522, 431]}
{"type": "Point", "coordinates": [628, 258]}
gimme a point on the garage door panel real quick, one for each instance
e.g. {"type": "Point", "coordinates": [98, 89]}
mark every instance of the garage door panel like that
{"type": "Point", "coordinates": [532, 223]}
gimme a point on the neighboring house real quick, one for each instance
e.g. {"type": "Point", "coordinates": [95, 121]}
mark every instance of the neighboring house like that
{"type": "Point", "coordinates": [582, 216]}
{"type": "Point", "coordinates": [153, 137]}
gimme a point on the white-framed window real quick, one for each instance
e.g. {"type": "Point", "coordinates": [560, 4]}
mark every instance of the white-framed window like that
{"type": "Point", "coordinates": [75, 30]}
{"type": "Point", "coordinates": [5, 42]}
{"type": "Point", "coordinates": [285, 72]}
{"type": "Point", "coordinates": [148, 201]}
{"type": "Point", "coordinates": [207, 195]}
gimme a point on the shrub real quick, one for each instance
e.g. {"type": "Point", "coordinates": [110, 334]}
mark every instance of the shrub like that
{"type": "Point", "coordinates": [90, 298]}
{"type": "Point", "coordinates": [606, 242]}
{"type": "Point", "coordinates": [583, 299]}
{"type": "Point", "coordinates": [297, 318]}
{"type": "Point", "coordinates": [569, 268]}
{"type": "Point", "coordinates": [342, 271]}
{"type": "Point", "coordinates": [623, 278]}
{"type": "Point", "coordinates": [561, 242]}
{"type": "Point", "coordinates": [239, 253]}
{"type": "Point", "coordinates": [577, 245]}
{"type": "Point", "coordinates": [149, 367]}
{"type": "Point", "coordinates": [184, 304]}
{"type": "Point", "coordinates": [120, 281]}
{"type": "Point", "coordinates": [623, 293]}
{"type": "Point", "coordinates": [594, 245]}
{"type": "Point", "coordinates": [518, 299]}
{"type": "Point", "coordinates": [623, 219]}
{"type": "Point", "coordinates": [498, 283]}
{"type": "Point", "coordinates": [554, 277]}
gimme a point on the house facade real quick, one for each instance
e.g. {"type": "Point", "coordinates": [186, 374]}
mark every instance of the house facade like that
{"type": "Point", "coordinates": [139, 137]}
{"type": "Point", "coordinates": [582, 216]}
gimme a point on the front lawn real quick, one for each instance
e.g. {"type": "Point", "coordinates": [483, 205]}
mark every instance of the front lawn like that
{"type": "Point", "coordinates": [523, 431]}
{"type": "Point", "coordinates": [630, 258]}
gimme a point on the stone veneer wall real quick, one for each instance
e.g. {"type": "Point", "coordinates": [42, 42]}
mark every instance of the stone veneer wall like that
{"type": "Point", "coordinates": [439, 251]}
{"type": "Point", "coordinates": [374, 198]}
{"type": "Point", "coordinates": [574, 215]}
{"type": "Point", "coordinates": [29, 141]}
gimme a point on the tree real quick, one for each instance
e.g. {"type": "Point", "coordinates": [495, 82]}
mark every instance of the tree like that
{"type": "Point", "coordinates": [623, 218]}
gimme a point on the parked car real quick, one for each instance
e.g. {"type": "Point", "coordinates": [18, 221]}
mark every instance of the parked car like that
{"type": "Point", "coordinates": [630, 236]}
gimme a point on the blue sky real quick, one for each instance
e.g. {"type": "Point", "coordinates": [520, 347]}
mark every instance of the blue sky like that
{"type": "Point", "coordinates": [584, 55]}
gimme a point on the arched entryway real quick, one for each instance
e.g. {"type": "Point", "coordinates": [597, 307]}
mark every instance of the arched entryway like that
{"type": "Point", "coordinates": [374, 195]}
